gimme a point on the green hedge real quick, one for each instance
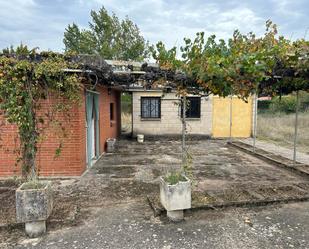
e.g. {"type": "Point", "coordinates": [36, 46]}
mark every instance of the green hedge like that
{"type": "Point", "coordinates": [285, 104]}
{"type": "Point", "coordinates": [263, 105]}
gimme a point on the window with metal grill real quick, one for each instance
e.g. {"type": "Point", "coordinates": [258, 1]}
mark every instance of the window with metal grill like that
{"type": "Point", "coordinates": [193, 109]}
{"type": "Point", "coordinates": [150, 107]}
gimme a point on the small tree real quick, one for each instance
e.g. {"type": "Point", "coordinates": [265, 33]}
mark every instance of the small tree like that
{"type": "Point", "coordinates": [243, 66]}
{"type": "Point", "coordinates": [26, 79]}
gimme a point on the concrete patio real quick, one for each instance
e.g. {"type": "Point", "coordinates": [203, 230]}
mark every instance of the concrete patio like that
{"type": "Point", "coordinates": [221, 173]}
{"type": "Point", "coordinates": [95, 210]}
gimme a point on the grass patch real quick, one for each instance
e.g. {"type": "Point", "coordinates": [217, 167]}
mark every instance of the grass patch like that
{"type": "Point", "coordinates": [33, 185]}
{"type": "Point", "coordinates": [174, 177]}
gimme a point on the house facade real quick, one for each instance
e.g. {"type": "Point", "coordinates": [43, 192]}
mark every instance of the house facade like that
{"type": "Point", "coordinates": [90, 123]}
{"type": "Point", "coordinates": [155, 113]}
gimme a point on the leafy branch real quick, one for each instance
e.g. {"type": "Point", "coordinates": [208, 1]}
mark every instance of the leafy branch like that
{"type": "Point", "coordinates": [25, 84]}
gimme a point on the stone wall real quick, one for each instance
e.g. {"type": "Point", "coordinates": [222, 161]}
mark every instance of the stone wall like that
{"type": "Point", "coordinates": [170, 121]}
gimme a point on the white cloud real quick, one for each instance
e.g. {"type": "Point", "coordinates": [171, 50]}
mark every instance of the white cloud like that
{"type": "Point", "coordinates": [42, 23]}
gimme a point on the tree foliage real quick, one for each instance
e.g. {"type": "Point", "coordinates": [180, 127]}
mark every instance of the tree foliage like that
{"type": "Point", "coordinates": [108, 37]}
{"type": "Point", "coordinates": [27, 78]}
{"type": "Point", "coordinates": [242, 65]}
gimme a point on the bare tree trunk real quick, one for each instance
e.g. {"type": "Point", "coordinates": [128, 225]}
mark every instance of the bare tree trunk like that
{"type": "Point", "coordinates": [29, 144]}
{"type": "Point", "coordinates": [183, 147]}
{"type": "Point", "coordinates": [28, 140]}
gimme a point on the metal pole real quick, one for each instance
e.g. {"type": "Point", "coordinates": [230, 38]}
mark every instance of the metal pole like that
{"type": "Point", "coordinates": [183, 130]}
{"type": "Point", "coordinates": [296, 127]}
{"type": "Point", "coordinates": [255, 118]}
{"type": "Point", "coordinates": [231, 109]}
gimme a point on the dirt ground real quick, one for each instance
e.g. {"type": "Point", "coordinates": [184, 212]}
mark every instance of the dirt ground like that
{"type": "Point", "coordinates": [221, 173]}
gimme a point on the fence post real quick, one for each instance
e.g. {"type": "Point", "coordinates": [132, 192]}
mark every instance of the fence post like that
{"type": "Point", "coordinates": [296, 127]}
{"type": "Point", "coordinates": [231, 109]}
{"type": "Point", "coordinates": [255, 118]}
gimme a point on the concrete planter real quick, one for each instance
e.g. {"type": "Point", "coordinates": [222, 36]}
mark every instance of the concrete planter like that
{"type": "Point", "coordinates": [33, 207]}
{"type": "Point", "coordinates": [175, 198]}
{"type": "Point", "coordinates": [140, 138]}
{"type": "Point", "coordinates": [110, 145]}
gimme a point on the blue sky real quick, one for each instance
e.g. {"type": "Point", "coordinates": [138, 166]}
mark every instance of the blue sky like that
{"type": "Point", "coordinates": [41, 23]}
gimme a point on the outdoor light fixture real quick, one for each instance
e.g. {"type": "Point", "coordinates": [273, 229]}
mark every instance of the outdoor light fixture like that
{"type": "Point", "coordinates": [109, 91]}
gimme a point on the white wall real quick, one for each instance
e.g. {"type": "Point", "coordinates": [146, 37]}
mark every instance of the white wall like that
{"type": "Point", "coordinates": [170, 122]}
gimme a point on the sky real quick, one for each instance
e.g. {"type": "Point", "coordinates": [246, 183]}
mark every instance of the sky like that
{"type": "Point", "coordinates": [41, 23]}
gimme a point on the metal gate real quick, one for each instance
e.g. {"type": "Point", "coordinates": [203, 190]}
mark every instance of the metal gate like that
{"type": "Point", "coordinates": [232, 117]}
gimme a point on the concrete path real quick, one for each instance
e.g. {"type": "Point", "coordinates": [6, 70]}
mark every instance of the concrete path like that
{"type": "Point", "coordinates": [279, 150]}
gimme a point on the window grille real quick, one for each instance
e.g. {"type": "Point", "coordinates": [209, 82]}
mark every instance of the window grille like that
{"type": "Point", "coordinates": [151, 107]}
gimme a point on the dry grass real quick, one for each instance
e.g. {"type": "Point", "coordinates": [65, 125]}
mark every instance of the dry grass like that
{"type": "Point", "coordinates": [126, 122]}
{"type": "Point", "coordinates": [279, 128]}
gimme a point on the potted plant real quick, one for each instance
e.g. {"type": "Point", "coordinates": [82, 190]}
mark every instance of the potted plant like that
{"type": "Point", "coordinates": [27, 79]}
{"type": "Point", "coordinates": [175, 187]}
{"type": "Point", "coordinates": [175, 195]}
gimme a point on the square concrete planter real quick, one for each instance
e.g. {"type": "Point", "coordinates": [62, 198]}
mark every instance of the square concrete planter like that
{"type": "Point", "coordinates": [175, 198]}
{"type": "Point", "coordinates": [110, 145]}
{"type": "Point", "coordinates": [140, 138]}
{"type": "Point", "coordinates": [33, 207]}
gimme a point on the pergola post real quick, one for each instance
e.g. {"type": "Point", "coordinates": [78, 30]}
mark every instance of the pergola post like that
{"type": "Point", "coordinates": [296, 127]}
{"type": "Point", "coordinates": [255, 118]}
{"type": "Point", "coordinates": [231, 113]}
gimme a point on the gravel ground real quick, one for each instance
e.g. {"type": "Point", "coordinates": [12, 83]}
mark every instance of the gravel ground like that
{"type": "Point", "coordinates": [132, 225]}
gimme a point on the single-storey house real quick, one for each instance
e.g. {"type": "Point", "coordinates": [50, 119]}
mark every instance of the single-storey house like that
{"type": "Point", "coordinates": [158, 113]}
{"type": "Point", "coordinates": [98, 117]}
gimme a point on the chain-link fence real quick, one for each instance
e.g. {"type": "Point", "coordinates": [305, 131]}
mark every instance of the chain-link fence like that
{"type": "Point", "coordinates": [283, 125]}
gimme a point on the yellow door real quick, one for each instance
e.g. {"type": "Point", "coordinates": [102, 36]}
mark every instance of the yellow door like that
{"type": "Point", "coordinates": [221, 117]}
{"type": "Point", "coordinates": [241, 117]}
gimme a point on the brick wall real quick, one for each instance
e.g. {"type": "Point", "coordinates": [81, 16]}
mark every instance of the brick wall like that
{"type": "Point", "coordinates": [109, 128]}
{"type": "Point", "coordinates": [72, 160]}
{"type": "Point", "coordinates": [8, 143]}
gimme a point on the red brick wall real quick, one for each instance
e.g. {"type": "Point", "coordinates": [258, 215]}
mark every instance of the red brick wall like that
{"type": "Point", "coordinates": [72, 159]}
{"type": "Point", "coordinates": [73, 153]}
{"type": "Point", "coordinates": [8, 143]}
{"type": "Point", "coordinates": [108, 128]}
